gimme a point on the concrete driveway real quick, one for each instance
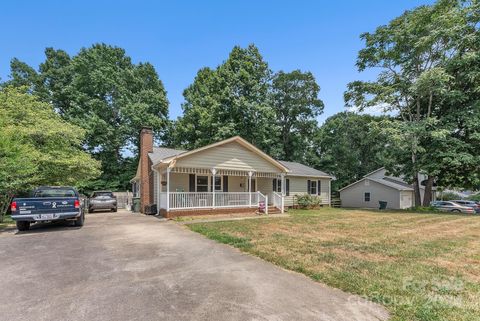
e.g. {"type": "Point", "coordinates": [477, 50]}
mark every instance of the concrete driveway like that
{"type": "Point", "coordinates": [122, 266]}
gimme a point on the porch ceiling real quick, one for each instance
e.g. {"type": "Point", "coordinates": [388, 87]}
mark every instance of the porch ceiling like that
{"type": "Point", "coordinates": [220, 171]}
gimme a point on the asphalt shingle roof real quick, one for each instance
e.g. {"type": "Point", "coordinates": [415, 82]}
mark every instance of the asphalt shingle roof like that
{"type": "Point", "coordinates": [297, 169]}
{"type": "Point", "coordinates": [160, 153]}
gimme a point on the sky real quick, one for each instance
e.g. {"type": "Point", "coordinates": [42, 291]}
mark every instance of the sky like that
{"type": "Point", "coordinates": [180, 37]}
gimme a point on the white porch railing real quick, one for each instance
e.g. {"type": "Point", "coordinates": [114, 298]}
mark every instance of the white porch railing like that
{"type": "Point", "coordinates": [278, 201]}
{"type": "Point", "coordinates": [264, 199]}
{"type": "Point", "coordinates": [192, 200]}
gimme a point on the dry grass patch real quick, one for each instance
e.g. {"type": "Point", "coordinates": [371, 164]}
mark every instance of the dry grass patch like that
{"type": "Point", "coordinates": [420, 266]}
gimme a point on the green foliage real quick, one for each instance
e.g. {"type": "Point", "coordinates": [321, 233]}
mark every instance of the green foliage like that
{"type": "Point", "coordinates": [38, 147]}
{"type": "Point", "coordinates": [475, 197]}
{"type": "Point", "coordinates": [307, 201]}
{"type": "Point", "coordinates": [239, 97]}
{"type": "Point", "coordinates": [349, 146]}
{"type": "Point", "coordinates": [227, 101]}
{"type": "Point", "coordinates": [423, 209]}
{"type": "Point", "coordinates": [294, 97]}
{"type": "Point", "coordinates": [102, 91]}
{"type": "Point", "coordinates": [429, 62]}
{"type": "Point", "coordinates": [449, 196]}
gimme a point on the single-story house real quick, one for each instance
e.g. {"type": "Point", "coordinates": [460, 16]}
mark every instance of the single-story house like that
{"type": "Point", "coordinates": [228, 176]}
{"type": "Point", "coordinates": [378, 186]}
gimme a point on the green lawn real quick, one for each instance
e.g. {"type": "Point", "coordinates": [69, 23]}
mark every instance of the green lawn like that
{"type": "Point", "coordinates": [7, 222]}
{"type": "Point", "coordinates": [420, 266]}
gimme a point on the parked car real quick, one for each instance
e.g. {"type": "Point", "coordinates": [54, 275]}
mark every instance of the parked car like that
{"type": "Point", "coordinates": [48, 203]}
{"type": "Point", "coordinates": [102, 200]}
{"type": "Point", "coordinates": [472, 204]}
{"type": "Point", "coordinates": [448, 206]}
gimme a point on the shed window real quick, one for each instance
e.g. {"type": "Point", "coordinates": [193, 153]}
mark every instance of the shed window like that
{"type": "Point", "coordinates": [367, 197]}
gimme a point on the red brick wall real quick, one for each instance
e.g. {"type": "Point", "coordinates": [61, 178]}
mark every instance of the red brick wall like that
{"type": "Point", "coordinates": [146, 174]}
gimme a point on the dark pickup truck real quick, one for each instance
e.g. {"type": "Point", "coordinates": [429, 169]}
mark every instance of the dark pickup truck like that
{"type": "Point", "coordinates": [49, 203]}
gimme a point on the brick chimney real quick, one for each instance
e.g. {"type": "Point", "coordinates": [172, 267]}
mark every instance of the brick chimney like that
{"type": "Point", "coordinates": [146, 174]}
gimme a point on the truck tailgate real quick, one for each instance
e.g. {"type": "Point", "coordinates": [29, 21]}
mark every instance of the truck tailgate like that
{"type": "Point", "coordinates": [46, 205]}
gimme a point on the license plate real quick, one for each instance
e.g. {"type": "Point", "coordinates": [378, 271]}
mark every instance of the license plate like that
{"type": "Point", "coordinates": [47, 217]}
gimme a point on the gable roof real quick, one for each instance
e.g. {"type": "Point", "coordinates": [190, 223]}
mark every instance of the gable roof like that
{"type": "Point", "coordinates": [237, 139]}
{"type": "Point", "coordinates": [297, 169]}
{"type": "Point", "coordinates": [382, 181]}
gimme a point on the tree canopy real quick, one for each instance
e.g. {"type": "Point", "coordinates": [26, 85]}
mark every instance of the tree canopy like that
{"type": "Point", "coordinates": [349, 146]}
{"type": "Point", "coordinates": [102, 91]}
{"type": "Point", "coordinates": [227, 101]}
{"type": "Point", "coordinates": [294, 98]}
{"type": "Point", "coordinates": [38, 147]}
{"type": "Point", "coordinates": [416, 54]}
{"type": "Point", "coordinates": [277, 112]}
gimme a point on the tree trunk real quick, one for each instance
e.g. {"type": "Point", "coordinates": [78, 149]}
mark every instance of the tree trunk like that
{"type": "Point", "coordinates": [4, 204]}
{"type": "Point", "coordinates": [416, 190]}
{"type": "Point", "coordinates": [427, 197]}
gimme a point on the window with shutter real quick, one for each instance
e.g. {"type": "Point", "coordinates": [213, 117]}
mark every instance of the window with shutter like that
{"type": "Point", "coordinates": [319, 187]}
{"type": "Point", "coordinates": [313, 187]}
{"type": "Point", "coordinates": [274, 187]}
{"type": "Point", "coordinates": [225, 184]}
{"type": "Point", "coordinates": [287, 187]}
{"type": "Point", "coordinates": [308, 186]}
{"type": "Point", "coordinates": [191, 183]}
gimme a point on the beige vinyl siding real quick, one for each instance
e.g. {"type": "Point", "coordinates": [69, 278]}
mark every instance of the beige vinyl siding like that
{"type": "Point", "coordinates": [181, 182]}
{"type": "Point", "coordinates": [234, 184]}
{"type": "Point", "coordinates": [298, 186]}
{"type": "Point", "coordinates": [354, 196]}
{"type": "Point", "coordinates": [264, 185]}
{"type": "Point", "coordinates": [229, 156]}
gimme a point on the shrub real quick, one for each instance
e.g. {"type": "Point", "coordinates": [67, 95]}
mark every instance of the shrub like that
{"type": "Point", "coordinates": [308, 201]}
{"type": "Point", "coordinates": [448, 196]}
{"type": "Point", "coordinates": [475, 197]}
{"type": "Point", "coordinates": [423, 209]}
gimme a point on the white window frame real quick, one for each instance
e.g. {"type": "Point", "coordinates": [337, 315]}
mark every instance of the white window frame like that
{"type": "Point", "coordinates": [209, 183]}
{"type": "Point", "coordinates": [365, 197]}
{"type": "Point", "coordinates": [196, 183]}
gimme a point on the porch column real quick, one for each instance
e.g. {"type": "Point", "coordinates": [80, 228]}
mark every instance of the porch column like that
{"type": "Point", "coordinates": [250, 188]}
{"type": "Point", "coordinates": [159, 189]}
{"type": "Point", "coordinates": [168, 188]}
{"type": "Point", "coordinates": [214, 171]}
{"type": "Point", "coordinates": [284, 189]}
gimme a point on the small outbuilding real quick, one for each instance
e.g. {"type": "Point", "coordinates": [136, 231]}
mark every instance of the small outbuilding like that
{"type": "Point", "coordinates": [378, 186]}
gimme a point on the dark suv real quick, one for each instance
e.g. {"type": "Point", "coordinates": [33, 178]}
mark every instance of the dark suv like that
{"type": "Point", "coordinates": [102, 200]}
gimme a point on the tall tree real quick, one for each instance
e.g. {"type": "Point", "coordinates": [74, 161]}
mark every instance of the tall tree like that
{"type": "Point", "coordinates": [294, 97]}
{"type": "Point", "coordinates": [348, 146]}
{"type": "Point", "coordinates": [102, 91]}
{"type": "Point", "coordinates": [229, 100]}
{"type": "Point", "coordinates": [38, 147]}
{"type": "Point", "coordinates": [413, 52]}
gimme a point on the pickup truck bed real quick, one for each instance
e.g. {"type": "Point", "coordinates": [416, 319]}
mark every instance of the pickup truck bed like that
{"type": "Point", "coordinates": [43, 207]}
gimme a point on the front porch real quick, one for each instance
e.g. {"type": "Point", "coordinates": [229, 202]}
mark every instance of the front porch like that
{"type": "Point", "coordinates": [182, 191]}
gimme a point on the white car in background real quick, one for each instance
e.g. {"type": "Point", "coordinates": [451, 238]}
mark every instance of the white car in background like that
{"type": "Point", "coordinates": [447, 206]}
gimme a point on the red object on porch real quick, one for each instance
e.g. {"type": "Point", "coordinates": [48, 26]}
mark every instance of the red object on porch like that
{"type": "Point", "coordinates": [261, 207]}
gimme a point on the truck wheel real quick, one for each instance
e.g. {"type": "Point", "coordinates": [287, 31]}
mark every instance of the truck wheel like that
{"type": "Point", "coordinates": [23, 225]}
{"type": "Point", "coordinates": [80, 220]}
{"type": "Point", "coordinates": [114, 209]}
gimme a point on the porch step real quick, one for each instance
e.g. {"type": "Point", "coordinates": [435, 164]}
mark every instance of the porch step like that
{"type": "Point", "coordinates": [273, 210]}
